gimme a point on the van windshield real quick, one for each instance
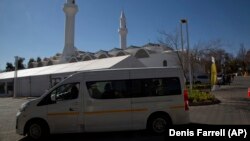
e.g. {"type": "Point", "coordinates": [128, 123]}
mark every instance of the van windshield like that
{"type": "Point", "coordinates": [53, 87]}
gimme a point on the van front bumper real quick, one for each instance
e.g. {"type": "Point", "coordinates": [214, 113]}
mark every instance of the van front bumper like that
{"type": "Point", "coordinates": [20, 123]}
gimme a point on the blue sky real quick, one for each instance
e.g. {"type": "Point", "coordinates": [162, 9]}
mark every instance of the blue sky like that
{"type": "Point", "coordinates": [32, 28]}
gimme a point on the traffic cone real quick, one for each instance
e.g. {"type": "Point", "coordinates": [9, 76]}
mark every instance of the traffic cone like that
{"type": "Point", "coordinates": [248, 92]}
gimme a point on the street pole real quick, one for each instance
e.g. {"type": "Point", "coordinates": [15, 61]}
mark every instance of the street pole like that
{"type": "Point", "coordinates": [182, 49]}
{"type": "Point", "coordinates": [184, 21]}
{"type": "Point", "coordinates": [189, 60]}
{"type": "Point", "coordinates": [15, 76]}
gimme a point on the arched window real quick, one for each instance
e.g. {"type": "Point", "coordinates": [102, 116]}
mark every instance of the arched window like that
{"type": "Point", "coordinates": [120, 54]}
{"type": "Point", "coordinates": [165, 63]}
{"type": "Point", "coordinates": [72, 60]}
{"type": "Point", "coordinates": [86, 58]}
{"type": "Point", "coordinates": [102, 56]}
{"type": "Point", "coordinates": [141, 53]}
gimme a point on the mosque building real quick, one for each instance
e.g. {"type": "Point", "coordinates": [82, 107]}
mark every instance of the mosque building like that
{"type": "Point", "coordinates": [44, 75]}
{"type": "Point", "coordinates": [150, 54]}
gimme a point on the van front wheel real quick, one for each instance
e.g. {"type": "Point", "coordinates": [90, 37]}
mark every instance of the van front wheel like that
{"type": "Point", "coordinates": [37, 130]}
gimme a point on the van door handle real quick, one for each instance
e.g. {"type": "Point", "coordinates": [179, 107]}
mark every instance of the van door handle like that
{"type": "Point", "coordinates": [71, 109]}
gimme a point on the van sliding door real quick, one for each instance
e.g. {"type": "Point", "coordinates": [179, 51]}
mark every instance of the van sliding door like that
{"type": "Point", "coordinates": [108, 102]}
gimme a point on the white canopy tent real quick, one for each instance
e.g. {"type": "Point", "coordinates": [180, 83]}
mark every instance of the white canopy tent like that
{"type": "Point", "coordinates": [34, 81]}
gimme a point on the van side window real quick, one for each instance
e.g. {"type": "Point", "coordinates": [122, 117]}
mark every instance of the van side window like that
{"type": "Point", "coordinates": [173, 86]}
{"type": "Point", "coordinates": [66, 92]}
{"type": "Point", "coordinates": [134, 88]}
{"type": "Point", "coordinates": [155, 87]}
{"type": "Point", "coordinates": [108, 89]}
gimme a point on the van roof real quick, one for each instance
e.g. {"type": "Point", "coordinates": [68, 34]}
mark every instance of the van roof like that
{"type": "Point", "coordinates": [118, 69]}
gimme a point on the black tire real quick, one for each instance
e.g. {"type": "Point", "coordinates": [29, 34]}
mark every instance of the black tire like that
{"type": "Point", "coordinates": [159, 124]}
{"type": "Point", "coordinates": [37, 130]}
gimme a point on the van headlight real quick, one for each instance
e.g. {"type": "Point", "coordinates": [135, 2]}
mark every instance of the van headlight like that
{"type": "Point", "coordinates": [23, 106]}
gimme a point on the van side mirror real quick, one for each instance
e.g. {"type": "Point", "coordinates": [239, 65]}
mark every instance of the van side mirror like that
{"type": "Point", "coordinates": [53, 97]}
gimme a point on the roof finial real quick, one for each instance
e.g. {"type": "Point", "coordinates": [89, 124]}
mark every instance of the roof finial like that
{"type": "Point", "coordinates": [71, 1]}
{"type": "Point", "coordinates": [123, 15]}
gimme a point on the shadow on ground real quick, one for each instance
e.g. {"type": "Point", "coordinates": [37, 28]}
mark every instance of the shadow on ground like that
{"type": "Point", "coordinates": [103, 136]}
{"type": "Point", "coordinates": [137, 135]}
{"type": "Point", "coordinates": [117, 136]}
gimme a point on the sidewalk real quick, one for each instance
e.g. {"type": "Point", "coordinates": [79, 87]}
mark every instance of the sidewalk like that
{"type": "Point", "coordinates": [234, 108]}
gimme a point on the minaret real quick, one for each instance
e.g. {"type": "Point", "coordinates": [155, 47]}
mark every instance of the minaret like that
{"type": "Point", "coordinates": [70, 9]}
{"type": "Point", "coordinates": [123, 31]}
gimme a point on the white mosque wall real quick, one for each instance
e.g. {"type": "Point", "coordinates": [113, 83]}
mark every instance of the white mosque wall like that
{"type": "Point", "coordinates": [157, 59]}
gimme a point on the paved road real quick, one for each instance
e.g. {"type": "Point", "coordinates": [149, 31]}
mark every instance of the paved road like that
{"type": "Point", "coordinates": [233, 110]}
{"type": "Point", "coordinates": [8, 110]}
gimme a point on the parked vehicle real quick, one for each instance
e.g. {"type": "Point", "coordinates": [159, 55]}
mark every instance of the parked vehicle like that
{"type": "Point", "coordinates": [202, 79]}
{"type": "Point", "coordinates": [108, 100]}
{"type": "Point", "coordinates": [205, 79]}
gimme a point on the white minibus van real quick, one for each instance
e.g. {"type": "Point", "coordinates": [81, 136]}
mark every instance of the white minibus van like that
{"type": "Point", "coordinates": [108, 100]}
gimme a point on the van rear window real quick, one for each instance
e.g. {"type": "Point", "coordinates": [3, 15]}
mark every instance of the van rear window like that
{"type": "Point", "coordinates": [155, 87]}
{"type": "Point", "coordinates": [149, 87]}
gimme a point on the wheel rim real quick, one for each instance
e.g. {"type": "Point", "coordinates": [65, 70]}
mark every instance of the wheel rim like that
{"type": "Point", "coordinates": [159, 125]}
{"type": "Point", "coordinates": [35, 131]}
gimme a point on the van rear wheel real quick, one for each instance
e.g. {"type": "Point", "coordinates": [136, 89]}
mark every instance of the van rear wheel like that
{"type": "Point", "coordinates": [159, 124]}
{"type": "Point", "coordinates": [37, 130]}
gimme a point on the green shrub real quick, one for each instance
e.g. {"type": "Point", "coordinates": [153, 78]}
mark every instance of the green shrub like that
{"type": "Point", "coordinates": [197, 96]}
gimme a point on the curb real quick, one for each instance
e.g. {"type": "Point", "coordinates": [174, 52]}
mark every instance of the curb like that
{"type": "Point", "coordinates": [205, 103]}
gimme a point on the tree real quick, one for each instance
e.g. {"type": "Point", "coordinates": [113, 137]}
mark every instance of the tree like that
{"type": "Point", "coordinates": [248, 61]}
{"type": "Point", "coordinates": [232, 66]}
{"type": "Point", "coordinates": [241, 56]}
{"type": "Point", "coordinates": [205, 50]}
{"type": "Point", "coordinates": [30, 63]}
{"type": "Point", "coordinates": [172, 40]}
{"type": "Point", "coordinates": [38, 59]}
{"type": "Point", "coordinates": [20, 63]}
{"type": "Point", "coordinates": [39, 62]}
{"type": "Point", "coordinates": [9, 67]}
